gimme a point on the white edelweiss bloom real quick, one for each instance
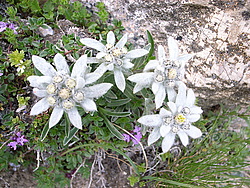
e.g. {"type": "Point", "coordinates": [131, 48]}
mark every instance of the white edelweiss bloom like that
{"type": "Point", "coordinates": [64, 91]}
{"type": "Point", "coordinates": [163, 74]}
{"type": "Point", "coordinates": [178, 120]}
{"type": "Point", "coordinates": [114, 57]}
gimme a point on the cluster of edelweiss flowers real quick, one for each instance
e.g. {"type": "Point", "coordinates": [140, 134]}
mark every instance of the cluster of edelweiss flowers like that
{"type": "Point", "coordinates": [64, 91]}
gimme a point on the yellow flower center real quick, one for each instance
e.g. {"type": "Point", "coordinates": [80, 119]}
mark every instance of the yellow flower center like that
{"type": "Point", "coordinates": [172, 73]}
{"type": "Point", "coordinates": [51, 89]}
{"type": "Point", "coordinates": [116, 52]}
{"type": "Point", "coordinates": [64, 93]}
{"type": "Point", "coordinates": [180, 118]}
{"type": "Point", "coordinates": [51, 100]}
{"type": "Point", "coordinates": [108, 58]}
{"type": "Point", "coordinates": [124, 50]}
{"type": "Point", "coordinates": [68, 104]}
{"type": "Point", "coordinates": [159, 78]}
{"type": "Point", "coordinates": [71, 83]}
{"type": "Point", "coordinates": [109, 46]}
{"type": "Point", "coordinates": [79, 96]}
{"type": "Point", "coordinates": [57, 79]}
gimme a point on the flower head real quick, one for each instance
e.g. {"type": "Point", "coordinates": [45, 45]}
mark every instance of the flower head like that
{"type": "Point", "coordinates": [4, 25]}
{"type": "Point", "coordinates": [126, 137]}
{"type": "Point", "coordinates": [114, 57]}
{"type": "Point", "coordinates": [18, 139]}
{"type": "Point", "coordinates": [163, 74]}
{"type": "Point", "coordinates": [178, 120]}
{"type": "Point", "coordinates": [136, 133]}
{"type": "Point", "coordinates": [64, 91]}
{"type": "Point", "coordinates": [13, 145]}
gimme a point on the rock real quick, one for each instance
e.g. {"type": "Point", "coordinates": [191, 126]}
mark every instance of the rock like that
{"type": "Point", "coordinates": [216, 31]}
{"type": "Point", "coordinates": [45, 30]}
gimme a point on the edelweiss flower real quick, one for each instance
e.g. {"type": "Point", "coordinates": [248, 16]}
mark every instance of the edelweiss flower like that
{"type": "Point", "coordinates": [114, 57]}
{"type": "Point", "coordinates": [178, 120]}
{"type": "Point", "coordinates": [163, 74]}
{"type": "Point", "coordinates": [64, 91]}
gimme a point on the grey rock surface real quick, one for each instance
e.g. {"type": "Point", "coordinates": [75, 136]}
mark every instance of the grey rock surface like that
{"type": "Point", "coordinates": [216, 31]}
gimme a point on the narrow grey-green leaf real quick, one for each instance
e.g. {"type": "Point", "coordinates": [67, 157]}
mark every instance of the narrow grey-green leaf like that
{"type": "Point", "coordinates": [110, 126]}
{"type": "Point", "coordinates": [119, 102]}
{"type": "Point", "coordinates": [72, 133]}
{"type": "Point", "coordinates": [45, 131]}
{"type": "Point", "coordinates": [67, 125]}
{"type": "Point", "coordinates": [117, 114]}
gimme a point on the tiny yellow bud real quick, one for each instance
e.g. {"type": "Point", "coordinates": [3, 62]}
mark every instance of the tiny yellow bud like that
{"type": "Point", "coordinates": [57, 79]}
{"type": "Point", "coordinates": [108, 58]}
{"type": "Point", "coordinates": [64, 93]}
{"type": "Point", "coordinates": [71, 83]}
{"type": "Point", "coordinates": [51, 89]}
{"type": "Point", "coordinates": [51, 100]}
{"type": "Point", "coordinates": [172, 73]}
{"type": "Point", "coordinates": [68, 104]}
{"type": "Point", "coordinates": [180, 118]}
{"type": "Point", "coordinates": [117, 52]}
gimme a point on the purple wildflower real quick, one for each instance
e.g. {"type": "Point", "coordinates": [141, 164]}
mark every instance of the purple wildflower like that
{"type": "Point", "coordinates": [4, 25]}
{"type": "Point", "coordinates": [136, 133]}
{"type": "Point", "coordinates": [126, 137]}
{"type": "Point", "coordinates": [138, 137]}
{"type": "Point", "coordinates": [12, 26]}
{"type": "Point", "coordinates": [137, 129]}
{"type": "Point", "coordinates": [1, 73]}
{"type": "Point", "coordinates": [13, 145]}
{"type": "Point", "coordinates": [18, 134]}
{"type": "Point", "coordinates": [21, 140]}
{"type": "Point", "coordinates": [18, 139]}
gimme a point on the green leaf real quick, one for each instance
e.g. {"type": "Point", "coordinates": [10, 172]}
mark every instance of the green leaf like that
{"type": "Point", "coordinates": [11, 76]}
{"type": "Point", "coordinates": [129, 91]}
{"type": "Point", "coordinates": [119, 102]}
{"type": "Point", "coordinates": [110, 126]}
{"type": "Point", "coordinates": [48, 6]}
{"type": "Point", "coordinates": [43, 53]}
{"type": "Point", "coordinates": [171, 182]}
{"type": "Point", "coordinates": [2, 98]}
{"type": "Point", "coordinates": [67, 124]}
{"type": "Point", "coordinates": [45, 131]}
{"type": "Point", "coordinates": [110, 94]}
{"type": "Point", "coordinates": [3, 88]}
{"type": "Point", "coordinates": [113, 113]}
{"type": "Point", "coordinates": [139, 63]}
{"type": "Point", "coordinates": [36, 44]}
{"type": "Point", "coordinates": [133, 180]}
{"type": "Point", "coordinates": [72, 133]}
{"type": "Point", "coordinates": [34, 6]}
{"type": "Point", "coordinates": [151, 41]}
